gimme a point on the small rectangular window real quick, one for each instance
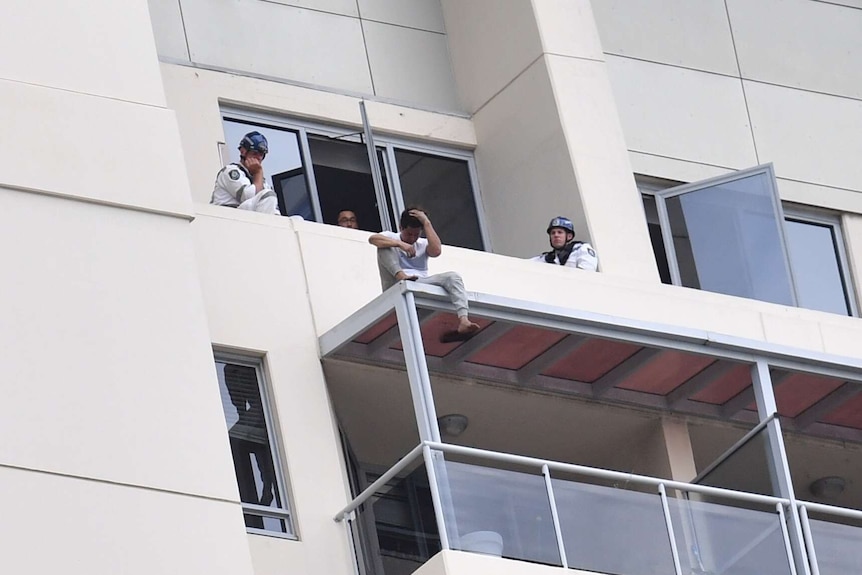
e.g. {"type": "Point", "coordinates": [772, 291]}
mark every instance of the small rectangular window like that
{"type": "Point", "coordinates": [255, 457]}
{"type": "Point", "coordinates": [816, 248]}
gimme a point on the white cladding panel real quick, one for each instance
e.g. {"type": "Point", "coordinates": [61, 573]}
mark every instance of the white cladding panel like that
{"type": "Point", "coordinates": [810, 45]}
{"type": "Point", "coordinates": [678, 32]}
{"type": "Point", "coordinates": [492, 54]}
{"type": "Point", "coordinates": [168, 29]}
{"type": "Point", "coordinates": [53, 524]}
{"type": "Point", "coordinates": [343, 7]}
{"type": "Point", "coordinates": [810, 137]}
{"type": "Point", "coordinates": [42, 44]}
{"type": "Point", "coordinates": [108, 365]}
{"type": "Point", "coordinates": [421, 14]}
{"type": "Point", "coordinates": [566, 28]}
{"type": "Point", "coordinates": [99, 148]}
{"type": "Point", "coordinates": [277, 40]}
{"type": "Point", "coordinates": [682, 113]}
{"type": "Point", "coordinates": [410, 65]}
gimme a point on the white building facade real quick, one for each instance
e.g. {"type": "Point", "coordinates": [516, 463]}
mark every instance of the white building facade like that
{"type": "Point", "coordinates": [199, 389]}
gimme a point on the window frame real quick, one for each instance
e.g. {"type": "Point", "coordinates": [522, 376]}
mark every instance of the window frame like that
{"type": "Point", "coordinates": [661, 189]}
{"type": "Point", "coordinates": [285, 512]}
{"type": "Point", "coordinates": [385, 143]}
{"type": "Point", "coordinates": [832, 220]}
{"type": "Point", "coordinates": [667, 234]}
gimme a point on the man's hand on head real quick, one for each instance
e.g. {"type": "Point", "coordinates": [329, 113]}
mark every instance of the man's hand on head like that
{"type": "Point", "coordinates": [420, 215]}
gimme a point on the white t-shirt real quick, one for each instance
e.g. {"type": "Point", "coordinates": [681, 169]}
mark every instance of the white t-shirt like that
{"type": "Point", "coordinates": [418, 264]}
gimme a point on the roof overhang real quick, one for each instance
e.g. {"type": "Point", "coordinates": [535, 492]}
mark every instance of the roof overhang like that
{"type": "Point", "coordinates": [575, 352]}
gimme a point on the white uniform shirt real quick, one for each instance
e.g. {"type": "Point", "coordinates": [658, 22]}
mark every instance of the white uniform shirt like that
{"type": "Point", "coordinates": [418, 264]}
{"type": "Point", "coordinates": [233, 186]}
{"type": "Point", "coordinates": [583, 257]}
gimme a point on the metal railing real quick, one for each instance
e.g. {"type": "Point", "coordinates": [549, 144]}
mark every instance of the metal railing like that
{"type": "Point", "coordinates": [810, 536]}
{"type": "Point", "coordinates": [432, 454]}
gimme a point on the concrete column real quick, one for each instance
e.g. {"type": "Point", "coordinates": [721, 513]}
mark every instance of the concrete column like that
{"type": "Point", "coordinates": [549, 137]}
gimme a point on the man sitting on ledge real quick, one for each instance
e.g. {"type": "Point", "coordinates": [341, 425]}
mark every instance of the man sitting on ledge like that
{"type": "Point", "coordinates": [404, 256]}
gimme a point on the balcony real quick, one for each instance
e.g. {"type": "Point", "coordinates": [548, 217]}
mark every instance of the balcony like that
{"type": "Point", "coordinates": [644, 448]}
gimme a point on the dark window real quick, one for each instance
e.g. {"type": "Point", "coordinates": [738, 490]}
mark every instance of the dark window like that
{"type": "Point", "coordinates": [319, 171]}
{"type": "Point", "coordinates": [443, 187]}
{"type": "Point", "coordinates": [255, 461]}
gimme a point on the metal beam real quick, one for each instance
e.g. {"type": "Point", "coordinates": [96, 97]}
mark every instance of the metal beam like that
{"type": "Point", "coordinates": [390, 336]}
{"type": "Point", "coordinates": [764, 386]}
{"type": "Point", "coordinates": [744, 398]}
{"type": "Point", "coordinates": [624, 329]}
{"type": "Point", "coordinates": [737, 403]}
{"type": "Point", "coordinates": [698, 382]}
{"type": "Point", "coordinates": [827, 404]}
{"type": "Point", "coordinates": [551, 356]}
{"type": "Point", "coordinates": [624, 370]}
{"type": "Point", "coordinates": [485, 337]}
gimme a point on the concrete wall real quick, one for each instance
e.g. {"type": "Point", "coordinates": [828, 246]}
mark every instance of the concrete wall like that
{"type": "Point", "coordinates": [116, 457]}
{"type": "Point", "coordinates": [256, 297]}
{"type": "Point", "coordinates": [716, 85]}
{"type": "Point", "coordinates": [389, 50]}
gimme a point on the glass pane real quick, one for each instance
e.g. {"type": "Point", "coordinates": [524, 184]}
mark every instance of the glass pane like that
{"type": "Point", "coordinates": [249, 440]}
{"type": "Point", "coordinates": [498, 512]}
{"type": "Point", "coordinates": [610, 530]}
{"type": "Point", "coordinates": [443, 188]}
{"type": "Point", "coordinates": [656, 238]}
{"type": "Point", "coordinates": [344, 181]}
{"type": "Point", "coordinates": [838, 547]}
{"type": "Point", "coordinates": [746, 469]}
{"type": "Point", "coordinates": [276, 524]}
{"type": "Point", "coordinates": [816, 268]}
{"type": "Point", "coordinates": [714, 538]}
{"type": "Point", "coordinates": [398, 527]}
{"type": "Point", "coordinates": [727, 240]}
{"type": "Point", "coordinates": [282, 166]}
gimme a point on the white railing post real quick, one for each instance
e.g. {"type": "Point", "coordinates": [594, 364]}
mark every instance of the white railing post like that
{"type": "Point", "coordinates": [555, 515]}
{"type": "Point", "coordinates": [669, 523]}
{"type": "Point", "coordinates": [435, 497]}
{"type": "Point", "coordinates": [809, 540]}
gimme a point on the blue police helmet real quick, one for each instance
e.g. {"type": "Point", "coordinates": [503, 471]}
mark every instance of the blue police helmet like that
{"type": "Point", "coordinates": [561, 222]}
{"type": "Point", "coordinates": [254, 142]}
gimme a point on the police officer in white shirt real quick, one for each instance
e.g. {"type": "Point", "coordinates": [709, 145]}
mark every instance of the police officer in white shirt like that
{"type": "Point", "coordinates": [242, 185]}
{"type": "Point", "coordinates": [565, 251]}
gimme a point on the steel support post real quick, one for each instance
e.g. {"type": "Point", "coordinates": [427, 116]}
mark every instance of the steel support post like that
{"type": "Point", "coordinates": [776, 456]}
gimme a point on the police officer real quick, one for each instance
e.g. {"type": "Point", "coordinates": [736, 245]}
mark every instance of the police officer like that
{"type": "Point", "coordinates": [242, 185]}
{"type": "Point", "coordinates": [565, 251]}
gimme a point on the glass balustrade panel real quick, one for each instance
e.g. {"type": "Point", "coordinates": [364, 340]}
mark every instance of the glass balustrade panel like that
{"type": "Point", "coordinates": [728, 540]}
{"type": "Point", "coordinates": [497, 512]}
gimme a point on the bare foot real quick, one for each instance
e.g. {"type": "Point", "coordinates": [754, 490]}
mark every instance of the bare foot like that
{"type": "Point", "coordinates": [400, 276]}
{"type": "Point", "coordinates": [467, 326]}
